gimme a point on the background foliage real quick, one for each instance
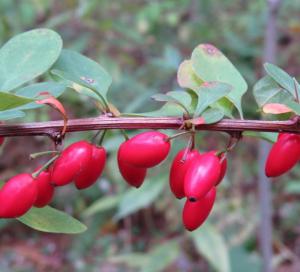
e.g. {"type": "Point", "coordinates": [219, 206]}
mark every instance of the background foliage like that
{"type": "Point", "coordinates": [141, 44]}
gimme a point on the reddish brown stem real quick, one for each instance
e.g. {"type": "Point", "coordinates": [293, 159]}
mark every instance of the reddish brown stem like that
{"type": "Point", "coordinates": [51, 128]}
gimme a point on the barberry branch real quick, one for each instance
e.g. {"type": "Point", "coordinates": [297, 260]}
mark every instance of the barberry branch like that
{"type": "Point", "coordinates": [53, 128]}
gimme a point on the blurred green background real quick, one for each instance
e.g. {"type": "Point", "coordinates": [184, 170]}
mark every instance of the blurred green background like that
{"type": "Point", "coordinates": [141, 43]}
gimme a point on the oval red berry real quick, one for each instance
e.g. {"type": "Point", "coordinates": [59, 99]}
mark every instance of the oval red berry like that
{"type": "Point", "coordinates": [72, 161]}
{"type": "Point", "coordinates": [93, 170]}
{"type": "Point", "coordinates": [195, 213]}
{"type": "Point", "coordinates": [146, 149]}
{"type": "Point", "coordinates": [44, 188]}
{"type": "Point", "coordinates": [178, 171]}
{"type": "Point", "coordinates": [283, 155]}
{"type": "Point", "coordinates": [201, 176]}
{"type": "Point", "coordinates": [133, 175]}
{"type": "Point", "coordinates": [17, 196]}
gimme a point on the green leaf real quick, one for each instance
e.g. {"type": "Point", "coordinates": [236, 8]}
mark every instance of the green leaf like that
{"type": "Point", "coordinates": [11, 114]}
{"type": "Point", "coordinates": [209, 93]}
{"type": "Point", "coordinates": [101, 205]}
{"type": "Point", "coordinates": [267, 91]}
{"type": "Point", "coordinates": [281, 77]}
{"type": "Point", "coordinates": [161, 257]}
{"type": "Point", "coordinates": [173, 109]}
{"type": "Point", "coordinates": [171, 99]}
{"type": "Point", "coordinates": [186, 76]}
{"type": "Point", "coordinates": [28, 55]}
{"type": "Point", "coordinates": [48, 219]}
{"type": "Point", "coordinates": [211, 245]}
{"type": "Point", "coordinates": [294, 106]}
{"type": "Point", "coordinates": [83, 71]}
{"type": "Point", "coordinates": [225, 106]}
{"type": "Point", "coordinates": [210, 64]}
{"type": "Point", "coordinates": [267, 136]}
{"type": "Point", "coordinates": [136, 199]}
{"type": "Point", "coordinates": [54, 88]}
{"type": "Point", "coordinates": [212, 115]}
{"type": "Point", "coordinates": [80, 87]}
{"type": "Point", "coordinates": [9, 101]}
{"type": "Point", "coordinates": [32, 91]}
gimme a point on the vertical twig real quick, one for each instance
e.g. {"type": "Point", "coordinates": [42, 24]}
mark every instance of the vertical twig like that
{"type": "Point", "coordinates": [264, 187]}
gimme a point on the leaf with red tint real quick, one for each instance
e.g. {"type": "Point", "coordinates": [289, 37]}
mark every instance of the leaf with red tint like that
{"type": "Point", "coordinates": [186, 77]}
{"type": "Point", "coordinates": [276, 108]}
{"type": "Point", "coordinates": [55, 104]}
{"type": "Point", "coordinates": [196, 121]}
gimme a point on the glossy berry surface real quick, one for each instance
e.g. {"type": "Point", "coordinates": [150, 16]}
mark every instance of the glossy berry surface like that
{"type": "Point", "coordinates": [72, 161]}
{"type": "Point", "coordinates": [201, 176]}
{"type": "Point", "coordinates": [223, 164]}
{"type": "Point", "coordinates": [146, 149]}
{"type": "Point", "coordinates": [93, 170]}
{"type": "Point", "coordinates": [44, 188]}
{"type": "Point", "coordinates": [283, 155]}
{"type": "Point", "coordinates": [178, 171]}
{"type": "Point", "coordinates": [133, 175]}
{"type": "Point", "coordinates": [195, 213]}
{"type": "Point", "coordinates": [17, 196]}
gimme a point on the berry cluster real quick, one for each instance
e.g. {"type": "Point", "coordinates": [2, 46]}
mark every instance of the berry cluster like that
{"type": "Point", "coordinates": [284, 154]}
{"type": "Point", "coordinates": [192, 175]}
{"type": "Point", "coordinates": [195, 176]}
{"type": "Point", "coordinates": [80, 162]}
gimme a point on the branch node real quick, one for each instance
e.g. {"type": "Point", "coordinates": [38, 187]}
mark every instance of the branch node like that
{"type": "Point", "coordinates": [56, 137]}
{"type": "Point", "coordinates": [296, 122]}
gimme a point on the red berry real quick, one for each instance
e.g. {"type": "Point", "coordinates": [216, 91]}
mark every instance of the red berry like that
{"type": "Point", "coordinates": [178, 171]}
{"type": "Point", "coordinates": [17, 196]}
{"type": "Point", "coordinates": [195, 213]}
{"type": "Point", "coordinates": [72, 161]}
{"type": "Point", "coordinates": [146, 149]}
{"type": "Point", "coordinates": [283, 155]}
{"type": "Point", "coordinates": [45, 189]}
{"type": "Point", "coordinates": [93, 171]}
{"type": "Point", "coordinates": [133, 175]}
{"type": "Point", "coordinates": [223, 164]}
{"type": "Point", "coordinates": [201, 176]}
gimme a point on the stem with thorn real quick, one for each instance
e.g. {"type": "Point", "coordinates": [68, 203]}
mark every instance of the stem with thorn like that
{"type": "Point", "coordinates": [177, 135]}
{"type": "Point", "coordinates": [45, 166]}
{"type": "Point", "coordinates": [43, 153]}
